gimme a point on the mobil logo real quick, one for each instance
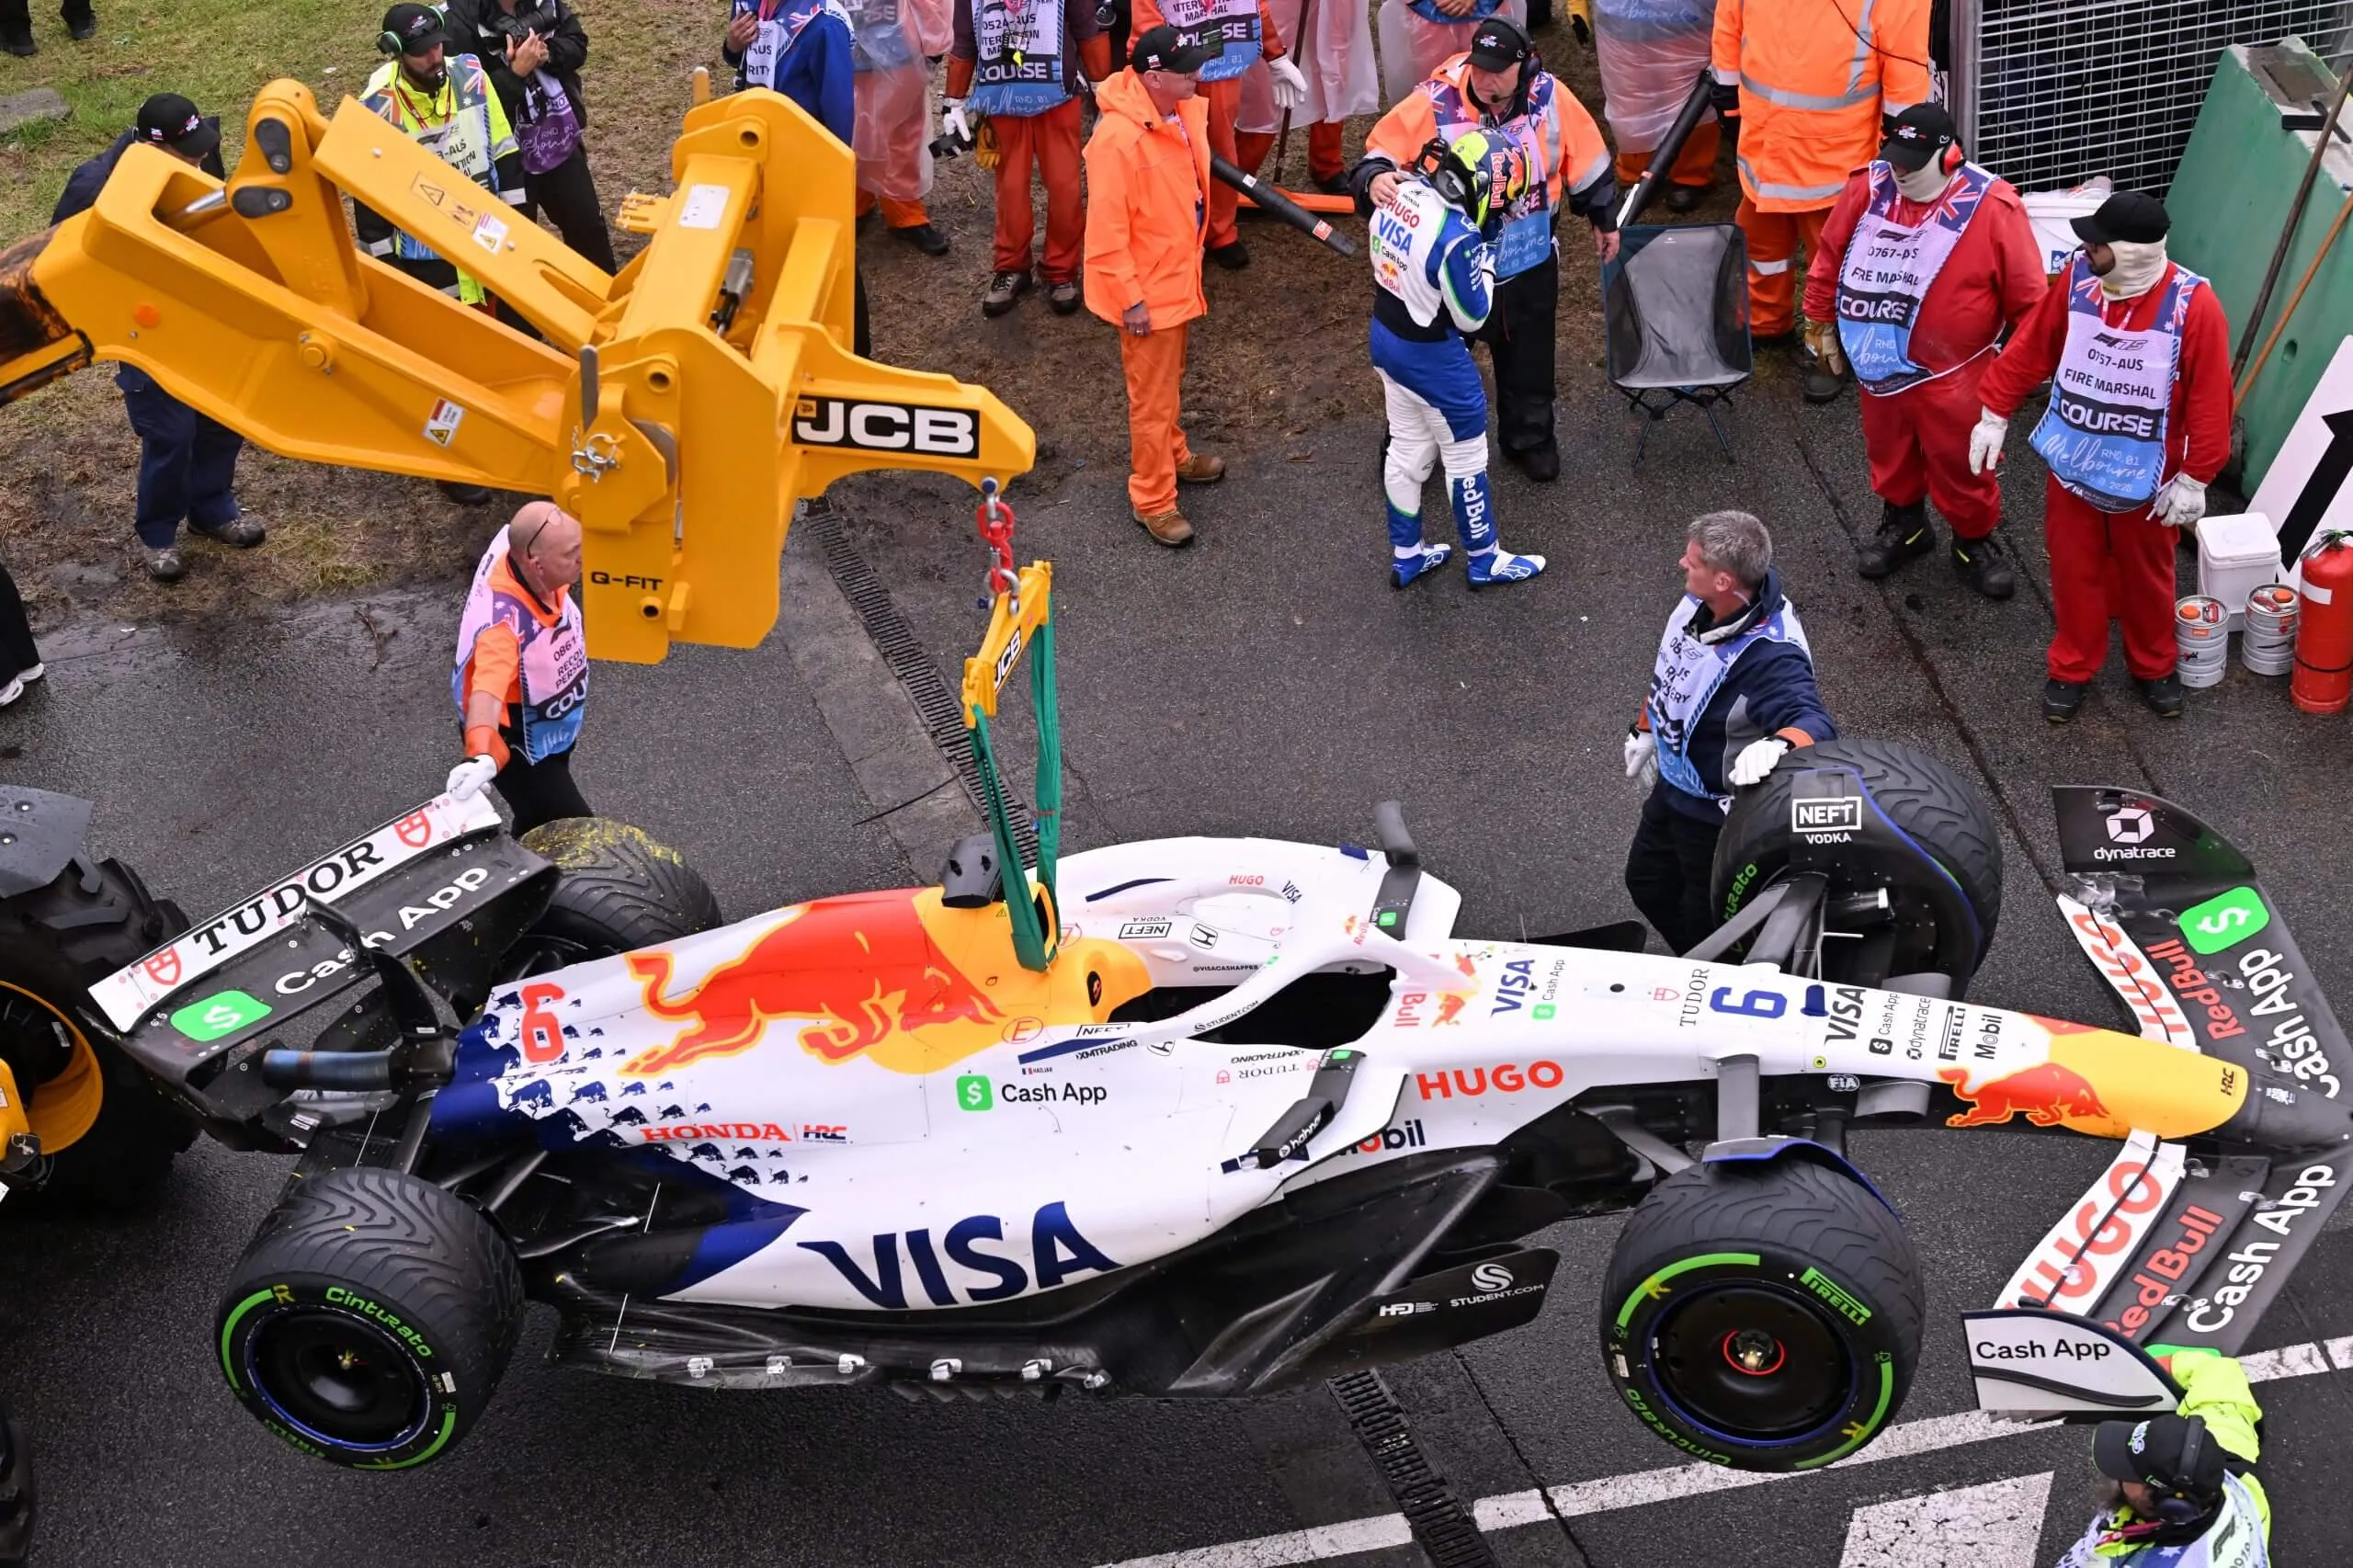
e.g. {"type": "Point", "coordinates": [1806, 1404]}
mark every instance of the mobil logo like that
{"type": "Point", "coordinates": [858, 969]}
{"type": "Point", "coordinates": [1510, 1078]}
{"type": "Point", "coordinates": [1402, 1135]}
{"type": "Point", "coordinates": [972, 1260]}
{"type": "Point", "coordinates": [2045, 1094]}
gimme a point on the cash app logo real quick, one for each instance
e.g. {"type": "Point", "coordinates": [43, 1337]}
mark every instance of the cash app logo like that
{"type": "Point", "coordinates": [2223, 920]}
{"type": "Point", "coordinates": [973, 1092]}
{"type": "Point", "coordinates": [225, 1013]}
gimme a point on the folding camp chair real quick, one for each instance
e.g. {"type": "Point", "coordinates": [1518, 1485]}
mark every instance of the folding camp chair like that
{"type": "Point", "coordinates": [1675, 309]}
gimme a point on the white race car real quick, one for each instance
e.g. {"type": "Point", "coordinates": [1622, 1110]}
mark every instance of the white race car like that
{"type": "Point", "coordinates": [1261, 1117]}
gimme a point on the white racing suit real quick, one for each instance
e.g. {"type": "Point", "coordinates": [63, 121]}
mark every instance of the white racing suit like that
{"type": "Point", "coordinates": [1433, 282]}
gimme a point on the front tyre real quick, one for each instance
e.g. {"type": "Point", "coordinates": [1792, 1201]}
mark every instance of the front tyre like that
{"type": "Point", "coordinates": [371, 1319]}
{"type": "Point", "coordinates": [1763, 1315]}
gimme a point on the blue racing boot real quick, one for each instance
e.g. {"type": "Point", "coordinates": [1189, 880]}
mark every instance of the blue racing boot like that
{"type": "Point", "coordinates": [1502, 566]}
{"type": "Point", "coordinates": [1410, 559]}
{"type": "Point", "coordinates": [1474, 518]}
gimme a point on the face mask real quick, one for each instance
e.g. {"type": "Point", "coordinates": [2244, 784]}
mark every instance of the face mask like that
{"type": "Point", "coordinates": [2137, 269]}
{"type": "Point", "coordinates": [1923, 184]}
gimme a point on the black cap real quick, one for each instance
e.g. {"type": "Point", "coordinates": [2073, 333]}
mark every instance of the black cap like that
{"type": "Point", "coordinates": [1920, 133]}
{"type": "Point", "coordinates": [1165, 49]}
{"type": "Point", "coordinates": [168, 119]}
{"type": "Point", "coordinates": [418, 27]}
{"type": "Point", "coordinates": [1498, 45]}
{"type": "Point", "coordinates": [2128, 215]}
{"type": "Point", "coordinates": [2150, 1452]}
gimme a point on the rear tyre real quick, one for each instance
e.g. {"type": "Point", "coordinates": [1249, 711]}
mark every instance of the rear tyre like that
{"type": "Point", "coordinates": [111, 1135]}
{"type": "Point", "coordinates": [621, 890]}
{"type": "Point", "coordinates": [1944, 905]}
{"type": "Point", "coordinates": [371, 1319]}
{"type": "Point", "coordinates": [1766, 1317]}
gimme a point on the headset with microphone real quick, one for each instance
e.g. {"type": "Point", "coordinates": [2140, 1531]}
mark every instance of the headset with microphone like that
{"type": "Point", "coordinates": [2180, 1506]}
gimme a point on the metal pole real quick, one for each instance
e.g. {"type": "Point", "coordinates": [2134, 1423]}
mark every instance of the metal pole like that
{"type": "Point", "coordinates": [2288, 230]}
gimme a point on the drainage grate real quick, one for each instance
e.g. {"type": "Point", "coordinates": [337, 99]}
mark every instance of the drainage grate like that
{"type": "Point", "coordinates": [935, 700]}
{"type": "Point", "coordinates": [2052, 92]}
{"type": "Point", "coordinates": [1442, 1526]}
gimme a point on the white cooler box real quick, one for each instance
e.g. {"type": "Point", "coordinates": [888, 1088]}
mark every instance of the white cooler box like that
{"type": "Point", "coordinates": [2236, 555]}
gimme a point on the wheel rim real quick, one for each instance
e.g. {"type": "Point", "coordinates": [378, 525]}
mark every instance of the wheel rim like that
{"type": "Point", "coordinates": [1753, 1364]}
{"type": "Point", "coordinates": [536, 952]}
{"type": "Point", "coordinates": [337, 1379]}
{"type": "Point", "coordinates": [57, 1072]}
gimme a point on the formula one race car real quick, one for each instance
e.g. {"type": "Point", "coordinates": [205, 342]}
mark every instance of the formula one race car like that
{"type": "Point", "coordinates": [1211, 1117]}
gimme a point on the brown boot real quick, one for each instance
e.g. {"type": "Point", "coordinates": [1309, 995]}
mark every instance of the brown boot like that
{"type": "Point", "coordinates": [1201, 469]}
{"type": "Point", "coordinates": [1167, 528]}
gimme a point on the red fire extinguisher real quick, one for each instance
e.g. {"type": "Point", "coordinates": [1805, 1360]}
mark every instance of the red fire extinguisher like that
{"type": "Point", "coordinates": [2323, 678]}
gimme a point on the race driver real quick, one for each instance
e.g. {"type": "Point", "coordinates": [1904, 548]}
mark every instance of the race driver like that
{"type": "Point", "coordinates": [1434, 277]}
{"type": "Point", "coordinates": [1732, 692]}
{"type": "Point", "coordinates": [2179, 1491]}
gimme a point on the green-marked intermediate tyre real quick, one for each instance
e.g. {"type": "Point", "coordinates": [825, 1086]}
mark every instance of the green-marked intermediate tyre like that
{"type": "Point", "coordinates": [371, 1319]}
{"type": "Point", "coordinates": [1764, 1315]}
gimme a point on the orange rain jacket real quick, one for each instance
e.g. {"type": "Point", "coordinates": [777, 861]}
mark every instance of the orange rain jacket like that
{"type": "Point", "coordinates": [1815, 76]}
{"type": "Point", "coordinates": [1147, 192]}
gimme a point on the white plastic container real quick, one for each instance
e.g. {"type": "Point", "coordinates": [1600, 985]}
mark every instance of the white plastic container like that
{"type": "Point", "coordinates": [2236, 555]}
{"type": "Point", "coordinates": [2051, 214]}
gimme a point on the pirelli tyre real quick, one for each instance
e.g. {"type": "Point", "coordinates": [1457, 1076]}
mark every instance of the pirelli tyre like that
{"type": "Point", "coordinates": [1946, 891]}
{"type": "Point", "coordinates": [108, 1136]}
{"type": "Point", "coordinates": [1764, 1315]}
{"type": "Point", "coordinates": [371, 1319]}
{"type": "Point", "coordinates": [620, 891]}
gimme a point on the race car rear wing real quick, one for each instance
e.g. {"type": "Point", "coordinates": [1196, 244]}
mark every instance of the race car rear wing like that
{"type": "Point", "coordinates": [442, 886]}
{"type": "Point", "coordinates": [2184, 1243]}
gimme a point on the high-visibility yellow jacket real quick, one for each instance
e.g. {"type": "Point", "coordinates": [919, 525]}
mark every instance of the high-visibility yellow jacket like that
{"type": "Point", "coordinates": [1815, 76]}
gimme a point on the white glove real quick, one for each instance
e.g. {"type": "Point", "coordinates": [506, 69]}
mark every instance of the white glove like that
{"type": "Point", "coordinates": [1642, 755]}
{"type": "Point", "coordinates": [1985, 441]}
{"type": "Point", "coordinates": [952, 120]}
{"type": "Point", "coordinates": [2180, 503]}
{"type": "Point", "coordinates": [1290, 87]}
{"type": "Point", "coordinates": [1756, 759]}
{"type": "Point", "coordinates": [467, 779]}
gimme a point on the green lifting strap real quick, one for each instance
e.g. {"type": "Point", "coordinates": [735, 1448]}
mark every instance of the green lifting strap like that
{"type": "Point", "coordinates": [1036, 935]}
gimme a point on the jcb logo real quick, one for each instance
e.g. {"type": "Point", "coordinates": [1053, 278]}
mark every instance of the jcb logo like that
{"type": "Point", "coordinates": [886, 428]}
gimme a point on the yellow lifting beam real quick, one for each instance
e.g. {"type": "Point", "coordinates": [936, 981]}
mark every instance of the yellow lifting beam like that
{"type": "Point", "coordinates": [678, 409]}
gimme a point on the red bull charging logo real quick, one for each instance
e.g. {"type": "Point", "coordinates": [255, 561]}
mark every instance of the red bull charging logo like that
{"type": "Point", "coordinates": [2045, 1094]}
{"type": "Point", "coordinates": [859, 970]}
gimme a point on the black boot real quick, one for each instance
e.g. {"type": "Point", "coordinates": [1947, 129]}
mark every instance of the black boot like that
{"type": "Point", "coordinates": [81, 22]}
{"type": "Point", "coordinates": [1541, 463]}
{"type": "Point", "coordinates": [2062, 698]}
{"type": "Point", "coordinates": [1903, 532]}
{"type": "Point", "coordinates": [2162, 694]}
{"type": "Point", "coordinates": [1984, 565]}
{"type": "Point", "coordinates": [18, 38]}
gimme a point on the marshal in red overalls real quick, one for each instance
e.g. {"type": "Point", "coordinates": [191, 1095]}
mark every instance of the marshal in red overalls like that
{"type": "Point", "coordinates": [2113, 449]}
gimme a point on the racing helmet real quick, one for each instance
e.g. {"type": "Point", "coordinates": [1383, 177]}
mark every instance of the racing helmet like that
{"type": "Point", "coordinates": [1464, 173]}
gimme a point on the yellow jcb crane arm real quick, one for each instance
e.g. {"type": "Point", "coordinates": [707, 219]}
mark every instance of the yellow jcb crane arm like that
{"type": "Point", "coordinates": [678, 409]}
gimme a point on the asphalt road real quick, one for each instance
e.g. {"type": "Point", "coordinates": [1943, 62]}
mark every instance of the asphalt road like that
{"type": "Point", "coordinates": [1265, 681]}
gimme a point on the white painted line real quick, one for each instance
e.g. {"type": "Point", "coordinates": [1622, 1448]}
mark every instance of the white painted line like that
{"type": "Point", "coordinates": [1293, 1546]}
{"type": "Point", "coordinates": [1511, 1510]}
{"type": "Point", "coordinates": [1993, 1525]}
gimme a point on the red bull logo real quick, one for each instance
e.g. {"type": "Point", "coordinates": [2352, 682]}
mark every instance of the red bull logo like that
{"type": "Point", "coordinates": [2046, 1094]}
{"type": "Point", "coordinates": [859, 968]}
